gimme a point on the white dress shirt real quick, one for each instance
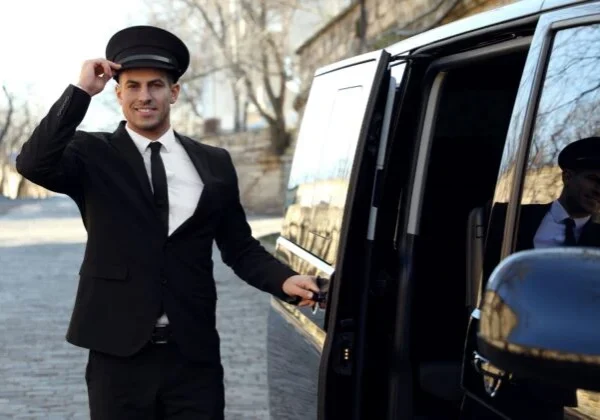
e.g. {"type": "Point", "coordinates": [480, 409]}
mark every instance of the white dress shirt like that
{"type": "Point", "coordinates": [551, 231]}
{"type": "Point", "coordinates": [184, 184]}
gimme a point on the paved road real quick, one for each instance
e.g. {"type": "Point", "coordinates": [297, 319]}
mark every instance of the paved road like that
{"type": "Point", "coordinates": [41, 375]}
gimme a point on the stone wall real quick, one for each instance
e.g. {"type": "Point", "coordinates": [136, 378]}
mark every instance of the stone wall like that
{"type": "Point", "coordinates": [262, 176]}
{"type": "Point", "coordinates": [339, 38]}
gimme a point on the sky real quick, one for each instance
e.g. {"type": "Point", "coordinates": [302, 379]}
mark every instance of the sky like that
{"type": "Point", "coordinates": [44, 43]}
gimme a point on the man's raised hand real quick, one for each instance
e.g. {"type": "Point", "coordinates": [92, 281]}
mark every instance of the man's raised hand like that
{"type": "Point", "coordinates": [95, 74]}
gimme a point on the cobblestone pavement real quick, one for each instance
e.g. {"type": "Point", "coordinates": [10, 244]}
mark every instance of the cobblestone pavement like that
{"type": "Point", "coordinates": [41, 375]}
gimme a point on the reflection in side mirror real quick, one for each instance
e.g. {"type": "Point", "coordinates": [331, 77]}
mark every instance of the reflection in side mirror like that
{"type": "Point", "coordinates": [540, 316]}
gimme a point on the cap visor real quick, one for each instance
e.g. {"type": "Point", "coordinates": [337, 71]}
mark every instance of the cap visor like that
{"type": "Point", "coordinates": [151, 64]}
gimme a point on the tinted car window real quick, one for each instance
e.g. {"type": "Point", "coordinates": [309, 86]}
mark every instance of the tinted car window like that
{"type": "Point", "coordinates": [319, 177]}
{"type": "Point", "coordinates": [568, 110]}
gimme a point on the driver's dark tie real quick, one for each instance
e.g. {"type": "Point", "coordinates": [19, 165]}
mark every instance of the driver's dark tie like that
{"type": "Point", "coordinates": [159, 184]}
{"type": "Point", "coordinates": [569, 232]}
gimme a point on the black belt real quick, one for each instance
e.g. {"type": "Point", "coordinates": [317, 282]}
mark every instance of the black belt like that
{"type": "Point", "coordinates": [161, 334]}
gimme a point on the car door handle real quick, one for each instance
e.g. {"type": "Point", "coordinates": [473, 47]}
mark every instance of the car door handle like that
{"type": "Point", "coordinates": [492, 376]}
{"type": "Point", "coordinates": [319, 298]}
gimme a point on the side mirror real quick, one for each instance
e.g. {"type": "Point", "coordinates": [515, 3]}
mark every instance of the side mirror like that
{"type": "Point", "coordinates": [540, 316]}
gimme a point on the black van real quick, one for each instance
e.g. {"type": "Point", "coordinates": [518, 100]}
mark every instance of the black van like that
{"type": "Point", "coordinates": [406, 158]}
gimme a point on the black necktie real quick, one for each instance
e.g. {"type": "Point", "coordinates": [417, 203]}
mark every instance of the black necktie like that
{"type": "Point", "coordinates": [569, 232]}
{"type": "Point", "coordinates": [159, 184]}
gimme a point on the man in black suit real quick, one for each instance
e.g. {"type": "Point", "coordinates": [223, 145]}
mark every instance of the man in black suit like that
{"type": "Point", "coordinates": [566, 221]}
{"type": "Point", "coordinates": [152, 202]}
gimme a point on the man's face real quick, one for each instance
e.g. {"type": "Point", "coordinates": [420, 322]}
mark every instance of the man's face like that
{"type": "Point", "coordinates": [146, 95]}
{"type": "Point", "coordinates": [583, 190]}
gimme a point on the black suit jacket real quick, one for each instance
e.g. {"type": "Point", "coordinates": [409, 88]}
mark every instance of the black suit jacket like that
{"type": "Point", "coordinates": [131, 268]}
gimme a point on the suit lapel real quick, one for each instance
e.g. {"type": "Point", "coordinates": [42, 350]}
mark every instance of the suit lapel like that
{"type": "Point", "coordinates": [531, 217]}
{"type": "Point", "coordinates": [198, 157]}
{"type": "Point", "coordinates": [125, 145]}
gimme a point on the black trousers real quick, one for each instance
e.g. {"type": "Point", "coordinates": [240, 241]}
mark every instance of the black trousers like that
{"type": "Point", "coordinates": [156, 383]}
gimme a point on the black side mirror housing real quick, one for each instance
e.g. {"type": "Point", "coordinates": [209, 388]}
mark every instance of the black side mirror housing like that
{"type": "Point", "coordinates": [540, 316]}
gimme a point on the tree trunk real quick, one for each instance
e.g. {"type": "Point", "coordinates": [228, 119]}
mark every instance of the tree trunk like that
{"type": "Point", "coordinates": [245, 115]}
{"type": "Point", "coordinates": [237, 108]}
{"type": "Point", "coordinates": [2, 174]}
{"type": "Point", "coordinates": [21, 190]}
{"type": "Point", "coordinates": [280, 138]}
{"type": "Point", "coordinates": [9, 115]}
{"type": "Point", "coordinates": [362, 44]}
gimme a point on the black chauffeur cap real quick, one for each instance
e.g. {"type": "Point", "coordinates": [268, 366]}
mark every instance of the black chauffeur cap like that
{"type": "Point", "coordinates": [583, 154]}
{"type": "Point", "coordinates": [148, 47]}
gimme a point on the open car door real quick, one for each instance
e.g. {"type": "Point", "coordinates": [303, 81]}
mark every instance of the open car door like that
{"type": "Point", "coordinates": [352, 89]}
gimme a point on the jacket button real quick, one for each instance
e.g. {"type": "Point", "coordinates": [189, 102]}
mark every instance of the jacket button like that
{"type": "Point", "coordinates": [163, 280]}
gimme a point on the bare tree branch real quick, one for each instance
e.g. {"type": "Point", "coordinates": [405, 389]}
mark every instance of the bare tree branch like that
{"type": "Point", "coordinates": [198, 7]}
{"type": "Point", "coordinates": [9, 114]}
{"type": "Point", "coordinates": [256, 102]}
{"type": "Point", "coordinates": [190, 99]}
{"type": "Point", "coordinates": [247, 43]}
{"type": "Point", "coordinates": [203, 74]}
{"type": "Point", "coordinates": [21, 130]}
{"type": "Point", "coordinates": [221, 15]}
